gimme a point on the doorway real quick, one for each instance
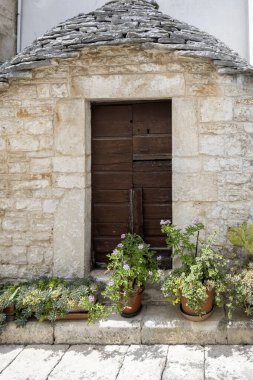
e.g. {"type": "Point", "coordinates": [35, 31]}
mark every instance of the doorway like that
{"type": "Point", "coordinates": [131, 175]}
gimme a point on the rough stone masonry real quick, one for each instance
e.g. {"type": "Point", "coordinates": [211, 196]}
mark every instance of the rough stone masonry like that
{"type": "Point", "coordinates": [127, 50]}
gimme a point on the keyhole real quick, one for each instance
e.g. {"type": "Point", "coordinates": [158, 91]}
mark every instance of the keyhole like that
{"type": "Point", "coordinates": [148, 131]}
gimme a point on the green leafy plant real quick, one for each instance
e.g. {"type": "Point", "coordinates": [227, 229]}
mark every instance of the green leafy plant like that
{"type": "Point", "coordinates": [8, 292]}
{"type": "Point", "coordinates": [52, 298]}
{"type": "Point", "coordinates": [241, 291]}
{"type": "Point", "coordinates": [131, 265]}
{"type": "Point", "coordinates": [241, 273]}
{"type": "Point", "coordinates": [241, 236]}
{"type": "Point", "coordinates": [203, 268]}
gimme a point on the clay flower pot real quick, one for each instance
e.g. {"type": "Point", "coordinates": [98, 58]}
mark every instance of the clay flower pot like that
{"type": "Point", "coordinates": [9, 312]}
{"type": "Point", "coordinates": [77, 313]}
{"type": "Point", "coordinates": [133, 306]}
{"type": "Point", "coordinates": [207, 308]}
{"type": "Point", "coordinates": [74, 315]}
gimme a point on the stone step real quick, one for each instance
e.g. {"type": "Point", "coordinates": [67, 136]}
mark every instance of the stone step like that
{"type": "Point", "coordinates": [156, 324]}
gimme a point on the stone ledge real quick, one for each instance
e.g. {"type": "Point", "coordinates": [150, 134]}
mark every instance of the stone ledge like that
{"type": "Point", "coordinates": [240, 329]}
{"type": "Point", "coordinates": [115, 330]}
{"type": "Point", "coordinates": [156, 324]}
{"type": "Point", "coordinates": [166, 325]}
{"type": "Point", "coordinates": [33, 333]}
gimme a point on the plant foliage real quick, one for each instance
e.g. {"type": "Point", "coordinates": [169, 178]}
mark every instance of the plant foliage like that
{"type": "Point", "coordinates": [241, 236]}
{"type": "Point", "coordinates": [131, 264]}
{"type": "Point", "coordinates": [202, 268]}
{"type": "Point", "coordinates": [50, 298]}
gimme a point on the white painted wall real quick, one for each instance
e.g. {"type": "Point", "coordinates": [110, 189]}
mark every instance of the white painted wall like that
{"type": "Point", "coordinates": [226, 19]}
{"type": "Point", "coordinates": [7, 29]}
{"type": "Point", "coordinates": [250, 14]}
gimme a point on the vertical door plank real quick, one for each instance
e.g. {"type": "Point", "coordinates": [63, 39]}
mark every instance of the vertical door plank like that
{"type": "Point", "coordinates": [112, 153]}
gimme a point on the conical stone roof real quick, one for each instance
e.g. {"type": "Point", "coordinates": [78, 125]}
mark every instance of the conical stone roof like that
{"type": "Point", "coordinates": [125, 22]}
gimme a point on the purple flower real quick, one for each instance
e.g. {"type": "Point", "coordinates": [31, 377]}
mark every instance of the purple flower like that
{"type": "Point", "coordinates": [123, 236]}
{"type": "Point", "coordinates": [126, 266]}
{"type": "Point", "coordinates": [115, 252]}
{"type": "Point", "coordinates": [196, 220]}
{"type": "Point", "coordinates": [159, 258]}
{"type": "Point", "coordinates": [120, 245]}
{"type": "Point", "coordinates": [160, 272]}
{"type": "Point", "coordinates": [91, 299]}
{"type": "Point", "coordinates": [164, 222]}
{"type": "Point", "coordinates": [140, 246]}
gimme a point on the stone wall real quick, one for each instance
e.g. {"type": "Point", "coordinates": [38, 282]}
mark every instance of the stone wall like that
{"type": "Point", "coordinates": [8, 10]}
{"type": "Point", "coordinates": [45, 150]}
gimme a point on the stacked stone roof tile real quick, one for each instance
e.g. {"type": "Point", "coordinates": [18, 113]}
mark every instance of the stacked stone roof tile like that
{"type": "Point", "coordinates": [124, 22]}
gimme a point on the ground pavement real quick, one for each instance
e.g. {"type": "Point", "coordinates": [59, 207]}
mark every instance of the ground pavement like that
{"type": "Point", "coordinates": [133, 362]}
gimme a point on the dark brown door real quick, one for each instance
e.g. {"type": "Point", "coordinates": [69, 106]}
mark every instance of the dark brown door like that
{"type": "Point", "coordinates": [132, 179]}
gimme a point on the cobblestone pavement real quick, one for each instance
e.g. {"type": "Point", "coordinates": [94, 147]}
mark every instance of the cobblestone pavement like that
{"type": "Point", "coordinates": [158, 362]}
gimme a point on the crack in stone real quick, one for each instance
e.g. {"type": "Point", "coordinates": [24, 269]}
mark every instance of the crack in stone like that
{"type": "Point", "coordinates": [53, 333]}
{"type": "Point", "coordinates": [165, 363]}
{"type": "Point", "coordinates": [12, 360]}
{"type": "Point", "coordinates": [142, 324]}
{"type": "Point", "coordinates": [60, 359]}
{"type": "Point", "coordinates": [122, 362]}
{"type": "Point", "coordinates": [204, 369]}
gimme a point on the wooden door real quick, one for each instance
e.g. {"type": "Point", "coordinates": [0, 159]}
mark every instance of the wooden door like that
{"type": "Point", "coordinates": [131, 175]}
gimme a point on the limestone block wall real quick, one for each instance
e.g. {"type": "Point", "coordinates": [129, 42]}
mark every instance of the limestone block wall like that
{"type": "Point", "coordinates": [45, 150]}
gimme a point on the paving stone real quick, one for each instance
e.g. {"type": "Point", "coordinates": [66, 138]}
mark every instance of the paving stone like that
{"type": "Point", "coordinates": [164, 324]}
{"type": "Point", "coordinates": [185, 362]}
{"type": "Point", "coordinates": [33, 333]}
{"type": "Point", "coordinates": [144, 363]}
{"type": "Point", "coordinates": [229, 362]}
{"type": "Point", "coordinates": [153, 294]}
{"type": "Point", "coordinates": [240, 329]}
{"type": "Point", "coordinates": [90, 362]}
{"type": "Point", "coordinates": [34, 363]}
{"type": "Point", "coordinates": [115, 330]}
{"type": "Point", "coordinates": [8, 354]}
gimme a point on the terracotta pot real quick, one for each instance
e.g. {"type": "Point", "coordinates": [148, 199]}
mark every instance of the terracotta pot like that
{"type": "Point", "coordinates": [206, 307]}
{"type": "Point", "coordinates": [78, 313]}
{"type": "Point", "coordinates": [196, 318]}
{"type": "Point", "coordinates": [133, 306]}
{"type": "Point", "coordinates": [74, 316]}
{"type": "Point", "coordinates": [9, 311]}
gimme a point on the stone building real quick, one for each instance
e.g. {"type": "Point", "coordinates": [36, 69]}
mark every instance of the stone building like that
{"type": "Point", "coordinates": [84, 82]}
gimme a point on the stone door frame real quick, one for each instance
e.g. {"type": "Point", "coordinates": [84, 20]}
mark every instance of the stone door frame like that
{"type": "Point", "coordinates": [75, 259]}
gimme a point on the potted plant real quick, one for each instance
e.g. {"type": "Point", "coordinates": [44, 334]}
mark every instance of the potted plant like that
{"type": "Point", "coordinates": [131, 264]}
{"type": "Point", "coordinates": [241, 271]}
{"type": "Point", "coordinates": [202, 278]}
{"type": "Point", "coordinates": [54, 298]}
{"type": "Point", "coordinates": [240, 295]}
{"type": "Point", "coordinates": [8, 293]}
